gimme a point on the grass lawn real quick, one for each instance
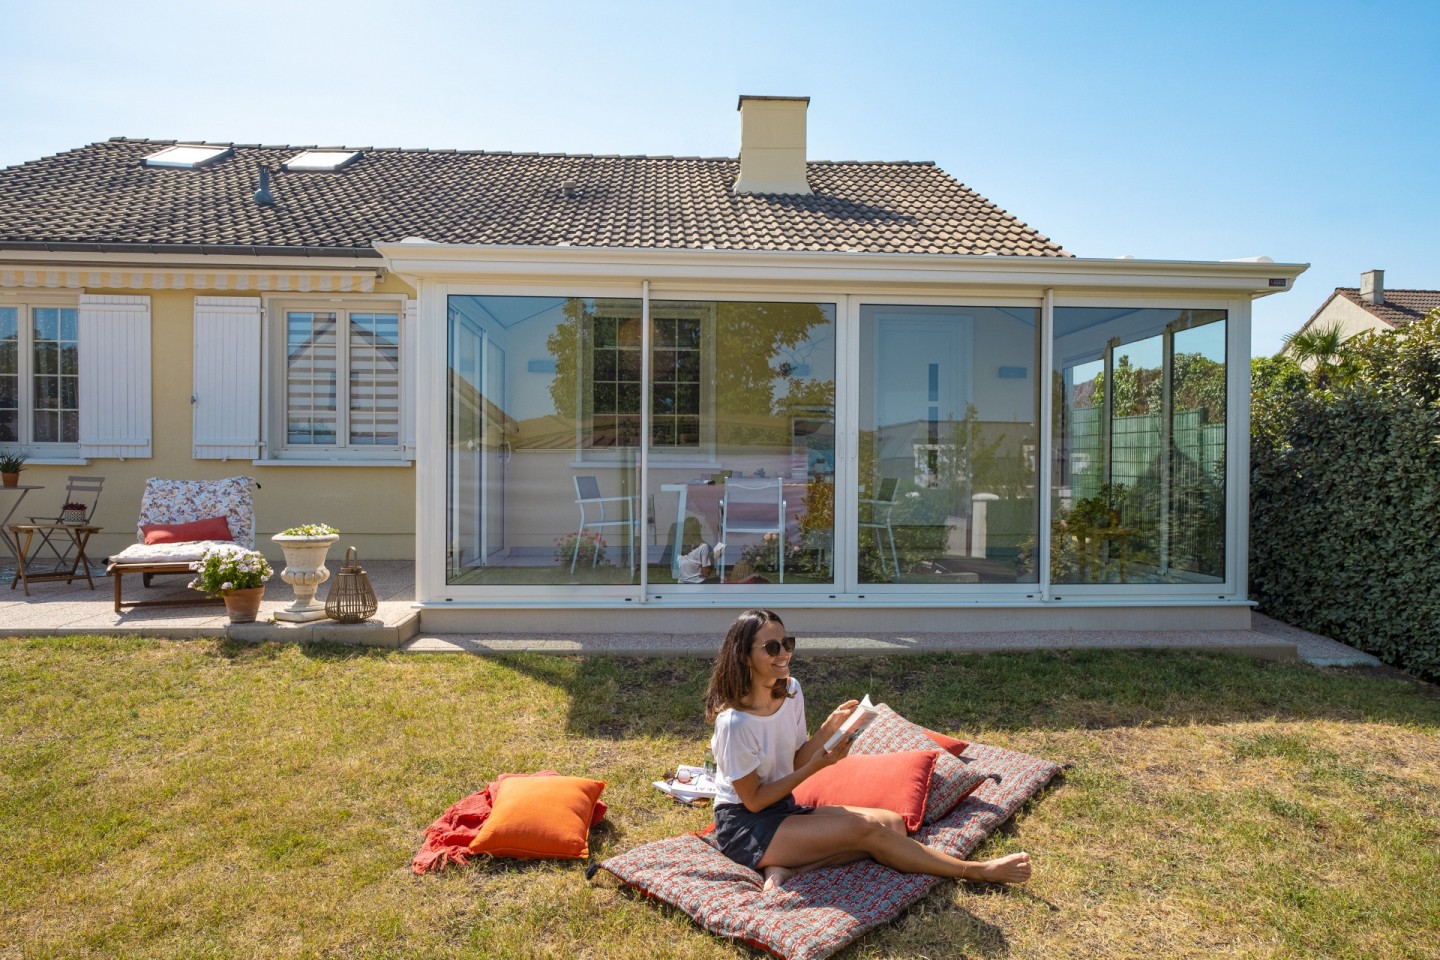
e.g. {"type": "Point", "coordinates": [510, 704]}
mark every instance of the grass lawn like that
{"type": "Point", "coordinates": [203, 799]}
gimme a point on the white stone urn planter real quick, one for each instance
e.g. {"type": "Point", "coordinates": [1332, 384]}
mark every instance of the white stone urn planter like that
{"type": "Point", "coordinates": [304, 570]}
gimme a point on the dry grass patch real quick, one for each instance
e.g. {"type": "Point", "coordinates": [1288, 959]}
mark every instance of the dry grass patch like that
{"type": "Point", "coordinates": [200, 799]}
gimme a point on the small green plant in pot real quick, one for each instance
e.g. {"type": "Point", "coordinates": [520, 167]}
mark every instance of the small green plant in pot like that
{"type": "Point", "coordinates": [11, 463]}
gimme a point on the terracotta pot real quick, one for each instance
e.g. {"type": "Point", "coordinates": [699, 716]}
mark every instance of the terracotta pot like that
{"type": "Point", "coordinates": [244, 605]}
{"type": "Point", "coordinates": [10, 479]}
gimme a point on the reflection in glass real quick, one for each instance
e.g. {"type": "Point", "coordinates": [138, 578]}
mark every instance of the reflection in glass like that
{"type": "Point", "coordinates": [948, 430]}
{"type": "Point", "coordinates": [1138, 492]}
{"type": "Point", "coordinates": [545, 430]}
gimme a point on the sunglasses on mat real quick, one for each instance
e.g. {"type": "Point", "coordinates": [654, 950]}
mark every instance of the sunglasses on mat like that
{"type": "Point", "coordinates": [773, 647]}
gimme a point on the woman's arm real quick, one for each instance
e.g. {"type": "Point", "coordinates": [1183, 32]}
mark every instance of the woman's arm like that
{"type": "Point", "coordinates": [827, 729]}
{"type": "Point", "coordinates": [757, 796]}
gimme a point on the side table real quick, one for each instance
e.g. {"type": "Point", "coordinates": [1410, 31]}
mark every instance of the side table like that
{"type": "Point", "coordinates": [23, 533]}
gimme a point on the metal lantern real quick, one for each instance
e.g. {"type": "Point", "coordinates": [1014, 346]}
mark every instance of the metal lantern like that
{"type": "Point", "coordinates": [351, 598]}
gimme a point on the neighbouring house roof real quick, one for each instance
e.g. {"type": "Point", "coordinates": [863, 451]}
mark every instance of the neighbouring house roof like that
{"type": "Point", "coordinates": [103, 197]}
{"type": "Point", "coordinates": [1400, 306]}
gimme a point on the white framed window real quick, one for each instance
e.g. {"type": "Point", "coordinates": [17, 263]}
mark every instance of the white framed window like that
{"type": "Point", "coordinates": [336, 379]}
{"type": "Point", "coordinates": [40, 376]}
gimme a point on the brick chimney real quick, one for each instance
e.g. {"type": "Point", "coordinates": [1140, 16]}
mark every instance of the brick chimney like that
{"type": "Point", "coordinates": [1372, 286]}
{"type": "Point", "coordinates": [772, 145]}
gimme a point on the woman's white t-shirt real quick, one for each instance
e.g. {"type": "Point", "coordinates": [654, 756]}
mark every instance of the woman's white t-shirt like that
{"type": "Point", "coordinates": [745, 743]}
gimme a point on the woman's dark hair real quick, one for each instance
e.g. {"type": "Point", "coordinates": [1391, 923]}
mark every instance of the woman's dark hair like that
{"type": "Point", "coordinates": [730, 677]}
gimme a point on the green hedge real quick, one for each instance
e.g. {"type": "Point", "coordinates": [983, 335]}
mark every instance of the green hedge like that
{"type": "Point", "coordinates": [1345, 499]}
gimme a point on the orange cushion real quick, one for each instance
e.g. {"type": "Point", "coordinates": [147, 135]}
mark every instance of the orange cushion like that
{"type": "Point", "coordinates": [538, 817]}
{"type": "Point", "coordinates": [949, 744]}
{"type": "Point", "coordinates": [899, 782]}
{"type": "Point", "coordinates": [211, 528]}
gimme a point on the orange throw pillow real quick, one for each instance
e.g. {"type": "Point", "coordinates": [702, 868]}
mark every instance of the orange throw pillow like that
{"type": "Point", "coordinates": [949, 744]}
{"type": "Point", "coordinates": [211, 528]}
{"type": "Point", "coordinates": [540, 817]}
{"type": "Point", "coordinates": [899, 782]}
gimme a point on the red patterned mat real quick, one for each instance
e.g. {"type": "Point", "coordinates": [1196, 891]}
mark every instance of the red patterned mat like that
{"type": "Point", "coordinates": [817, 913]}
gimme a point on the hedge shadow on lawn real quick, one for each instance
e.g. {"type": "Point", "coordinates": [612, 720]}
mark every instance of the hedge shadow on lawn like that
{"type": "Point", "coordinates": [621, 697]}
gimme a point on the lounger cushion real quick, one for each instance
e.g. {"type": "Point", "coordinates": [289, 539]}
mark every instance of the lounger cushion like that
{"type": "Point", "coordinates": [166, 552]}
{"type": "Point", "coordinates": [898, 782]}
{"type": "Point", "coordinates": [210, 528]}
{"type": "Point", "coordinates": [820, 912]}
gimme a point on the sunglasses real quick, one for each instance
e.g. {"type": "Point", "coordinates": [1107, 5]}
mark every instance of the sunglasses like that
{"type": "Point", "coordinates": [773, 647]}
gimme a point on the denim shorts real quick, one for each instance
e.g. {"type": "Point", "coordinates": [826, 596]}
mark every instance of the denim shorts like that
{"type": "Point", "coordinates": [744, 836]}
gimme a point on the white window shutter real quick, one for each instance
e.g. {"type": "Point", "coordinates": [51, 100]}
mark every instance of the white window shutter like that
{"type": "Point", "coordinates": [114, 376]}
{"type": "Point", "coordinates": [226, 399]}
{"type": "Point", "coordinates": [408, 331]}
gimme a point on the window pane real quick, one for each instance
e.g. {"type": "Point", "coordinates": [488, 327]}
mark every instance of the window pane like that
{"type": "Point", "coordinates": [312, 415]}
{"type": "Point", "coordinates": [55, 389]}
{"type": "Point", "coordinates": [747, 457]}
{"type": "Point", "coordinates": [9, 374]}
{"type": "Point", "coordinates": [534, 389]}
{"type": "Point", "coordinates": [374, 379]}
{"type": "Point", "coordinates": [1138, 492]}
{"type": "Point", "coordinates": [948, 434]}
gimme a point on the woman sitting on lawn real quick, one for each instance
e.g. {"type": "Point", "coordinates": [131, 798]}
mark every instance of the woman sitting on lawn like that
{"type": "Point", "coordinates": [763, 752]}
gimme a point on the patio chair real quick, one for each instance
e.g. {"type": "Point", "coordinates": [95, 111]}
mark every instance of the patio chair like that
{"type": "Point", "coordinates": [80, 490]}
{"type": "Point", "coordinates": [183, 501]}
{"type": "Point", "coordinates": [594, 516]}
{"type": "Point", "coordinates": [753, 506]}
{"type": "Point", "coordinates": [875, 515]}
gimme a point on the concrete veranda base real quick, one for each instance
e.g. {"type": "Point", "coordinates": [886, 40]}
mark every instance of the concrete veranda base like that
{"type": "Point", "coordinates": [60, 608]}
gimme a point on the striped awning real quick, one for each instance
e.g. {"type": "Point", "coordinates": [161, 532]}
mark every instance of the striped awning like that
{"type": "Point", "coordinates": [216, 279]}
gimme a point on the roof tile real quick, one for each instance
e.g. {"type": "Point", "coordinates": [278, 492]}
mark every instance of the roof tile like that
{"type": "Point", "coordinates": [103, 194]}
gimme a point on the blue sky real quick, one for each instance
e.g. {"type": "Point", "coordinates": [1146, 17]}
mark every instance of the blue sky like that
{"type": "Point", "coordinates": [1304, 131]}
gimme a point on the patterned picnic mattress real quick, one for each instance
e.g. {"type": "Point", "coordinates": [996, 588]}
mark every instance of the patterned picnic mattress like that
{"type": "Point", "coordinates": [817, 913]}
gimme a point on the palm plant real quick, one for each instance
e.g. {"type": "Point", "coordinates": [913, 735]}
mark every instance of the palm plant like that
{"type": "Point", "coordinates": [1324, 352]}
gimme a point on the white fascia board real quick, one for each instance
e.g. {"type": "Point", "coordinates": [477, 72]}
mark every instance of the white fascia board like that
{"type": "Point", "coordinates": [435, 261]}
{"type": "Point", "coordinates": [57, 260]}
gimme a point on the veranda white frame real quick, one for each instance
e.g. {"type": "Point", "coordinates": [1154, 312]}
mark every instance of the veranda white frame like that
{"type": "Point", "coordinates": [438, 271]}
{"type": "Point", "coordinates": [27, 300]}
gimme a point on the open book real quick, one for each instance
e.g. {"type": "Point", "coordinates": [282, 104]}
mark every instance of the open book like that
{"type": "Point", "coordinates": [863, 716]}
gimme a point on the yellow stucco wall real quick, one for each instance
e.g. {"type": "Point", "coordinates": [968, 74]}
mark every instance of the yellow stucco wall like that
{"type": "Point", "coordinates": [373, 507]}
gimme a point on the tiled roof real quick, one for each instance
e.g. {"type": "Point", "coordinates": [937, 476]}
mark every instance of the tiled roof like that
{"type": "Point", "coordinates": [1400, 306]}
{"type": "Point", "coordinates": [103, 194]}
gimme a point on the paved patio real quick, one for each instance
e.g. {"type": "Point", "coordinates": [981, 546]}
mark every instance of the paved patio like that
{"type": "Point", "coordinates": [54, 608]}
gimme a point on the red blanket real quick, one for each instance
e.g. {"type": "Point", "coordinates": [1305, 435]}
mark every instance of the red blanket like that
{"type": "Point", "coordinates": [447, 840]}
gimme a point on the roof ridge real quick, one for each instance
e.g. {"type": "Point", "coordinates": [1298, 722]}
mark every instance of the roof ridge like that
{"type": "Point", "coordinates": [497, 153]}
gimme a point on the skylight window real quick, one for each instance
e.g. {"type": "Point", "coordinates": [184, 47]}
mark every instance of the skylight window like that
{"type": "Point", "coordinates": [188, 156]}
{"type": "Point", "coordinates": [322, 160]}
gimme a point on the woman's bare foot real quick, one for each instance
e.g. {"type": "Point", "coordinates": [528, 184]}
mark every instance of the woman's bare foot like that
{"type": "Point", "coordinates": [775, 877]}
{"type": "Point", "coordinates": [1012, 869]}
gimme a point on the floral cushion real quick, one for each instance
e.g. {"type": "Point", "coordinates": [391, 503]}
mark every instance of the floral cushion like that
{"type": "Point", "coordinates": [820, 912]}
{"type": "Point", "coordinates": [185, 501]}
{"type": "Point", "coordinates": [166, 552]}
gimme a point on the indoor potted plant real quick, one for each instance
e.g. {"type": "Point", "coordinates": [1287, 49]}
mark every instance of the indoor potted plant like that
{"type": "Point", "coordinates": [305, 548]}
{"type": "Point", "coordinates": [10, 466]}
{"type": "Point", "coordinates": [236, 574]}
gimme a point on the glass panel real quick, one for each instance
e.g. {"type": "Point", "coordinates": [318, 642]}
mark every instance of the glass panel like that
{"type": "Point", "coordinates": [743, 433]}
{"type": "Point", "coordinates": [1197, 472]}
{"type": "Point", "coordinates": [56, 381]}
{"type": "Point", "coordinates": [312, 415]}
{"type": "Point", "coordinates": [1138, 492]}
{"type": "Point", "coordinates": [948, 434]}
{"type": "Point", "coordinates": [9, 374]}
{"type": "Point", "coordinates": [542, 489]}
{"type": "Point", "coordinates": [374, 379]}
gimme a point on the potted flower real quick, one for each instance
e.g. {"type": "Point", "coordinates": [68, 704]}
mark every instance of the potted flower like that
{"type": "Point", "coordinates": [305, 548]}
{"type": "Point", "coordinates": [74, 513]}
{"type": "Point", "coordinates": [236, 574]}
{"type": "Point", "coordinates": [10, 466]}
{"type": "Point", "coordinates": [577, 548]}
